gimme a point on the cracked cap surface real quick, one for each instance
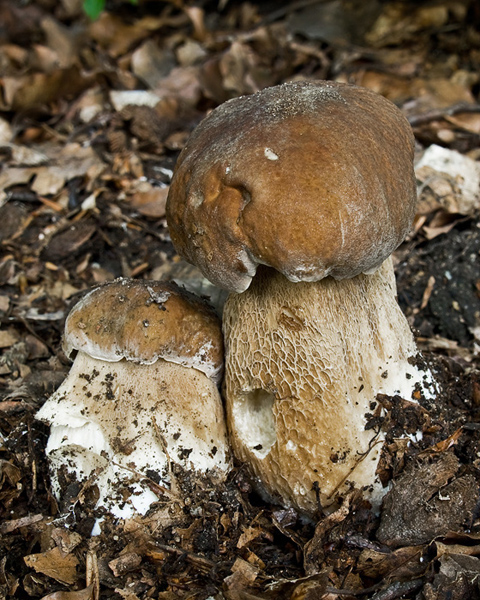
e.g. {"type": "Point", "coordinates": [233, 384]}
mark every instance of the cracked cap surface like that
{"type": "Point", "coordinates": [310, 178]}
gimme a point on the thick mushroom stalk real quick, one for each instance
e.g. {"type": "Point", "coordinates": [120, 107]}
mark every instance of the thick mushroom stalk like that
{"type": "Point", "coordinates": [140, 396]}
{"type": "Point", "coordinates": [305, 364]}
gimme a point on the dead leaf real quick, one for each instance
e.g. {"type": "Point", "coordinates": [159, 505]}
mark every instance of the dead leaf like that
{"type": "Point", "coordinates": [433, 232]}
{"type": "Point", "coordinates": [70, 241]}
{"type": "Point", "coordinates": [429, 499]}
{"type": "Point", "coordinates": [401, 563]}
{"type": "Point", "coordinates": [64, 41]}
{"type": "Point", "coordinates": [85, 594]}
{"type": "Point", "coordinates": [151, 64]}
{"type": "Point", "coordinates": [252, 533]}
{"type": "Point", "coordinates": [6, 132]}
{"type": "Point", "coordinates": [445, 444]}
{"type": "Point", "coordinates": [23, 156]}
{"type": "Point", "coordinates": [182, 83]}
{"type": "Point", "coordinates": [443, 549]}
{"type": "Point", "coordinates": [13, 218]}
{"type": "Point", "coordinates": [397, 23]}
{"type": "Point", "coordinates": [150, 203]}
{"type": "Point", "coordinates": [36, 89]}
{"type": "Point", "coordinates": [243, 575]}
{"type": "Point", "coordinates": [66, 540]}
{"type": "Point", "coordinates": [466, 121]}
{"type": "Point", "coordinates": [125, 563]}
{"type": "Point", "coordinates": [314, 550]}
{"type": "Point", "coordinates": [112, 33]}
{"type": "Point", "coordinates": [64, 163]}
{"type": "Point", "coordinates": [54, 564]}
{"type": "Point", "coordinates": [8, 337]}
{"type": "Point", "coordinates": [456, 174]}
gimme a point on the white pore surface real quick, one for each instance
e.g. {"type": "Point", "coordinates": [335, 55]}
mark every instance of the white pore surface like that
{"type": "Point", "coordinates": [113, 424]}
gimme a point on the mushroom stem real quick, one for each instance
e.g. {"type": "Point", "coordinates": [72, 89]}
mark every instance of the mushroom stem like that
{"type": "Point", "coordinates": [116, 422]}
{"type": "Point", "coordinates": [304, 365]}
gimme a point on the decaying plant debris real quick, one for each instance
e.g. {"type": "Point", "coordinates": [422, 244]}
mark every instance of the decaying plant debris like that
{"type": "Point", "coordinates": [92, 118]}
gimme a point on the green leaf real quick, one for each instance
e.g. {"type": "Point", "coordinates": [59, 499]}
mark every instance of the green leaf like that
{"type": "Point", "coordinates": [93, 8]}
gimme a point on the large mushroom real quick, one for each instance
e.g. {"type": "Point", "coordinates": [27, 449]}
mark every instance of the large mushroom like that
{"type": "Point", "coordinates": [141, 395]}
{"type": "Point", "coordinates": [293, 199]}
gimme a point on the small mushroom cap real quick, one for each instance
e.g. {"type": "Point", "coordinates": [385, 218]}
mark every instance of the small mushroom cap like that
{"type": "Point", "coordinates": [311, 178]}
{"type": "Point", "coordinates": [143, 321]}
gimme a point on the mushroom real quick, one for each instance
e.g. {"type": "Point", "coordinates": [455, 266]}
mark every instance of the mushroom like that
{"type": "Point", "coordinates": [293, 199]}
{"type": "Point", "coordinates": [142, 394]}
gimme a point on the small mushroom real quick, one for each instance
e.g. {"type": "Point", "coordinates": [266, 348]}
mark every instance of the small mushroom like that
{"type": "Point", "coordinates": [142, 394]}
{"type": "Point", "coordinates": [293, 199]}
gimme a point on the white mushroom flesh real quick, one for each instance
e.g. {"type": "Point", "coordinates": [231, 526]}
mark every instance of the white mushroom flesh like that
{"type": "Point", "coordinates": [116, 423]}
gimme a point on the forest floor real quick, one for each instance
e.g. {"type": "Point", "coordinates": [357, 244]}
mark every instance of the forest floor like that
{"type": "Point", "coordinates": [93, 115]}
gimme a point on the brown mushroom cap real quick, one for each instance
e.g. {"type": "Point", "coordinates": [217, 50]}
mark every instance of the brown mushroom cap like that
{"type": "Point", "coordinates": [311, 178]}
{"type": "Point", "coordinates": [142, 321]}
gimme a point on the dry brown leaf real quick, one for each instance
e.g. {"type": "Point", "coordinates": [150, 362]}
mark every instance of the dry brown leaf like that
{"type": "Point", "coordinates": [394, 87]}
{"type": "Point", "coordinates": [437, 93]}
{"type": "Point", "coordinates": [85, 594]}
{"type": "Point", "coordinates": [10, 473]}
{"type": "Point", "coordinates": [66, 540]}
{"type": "Point", "coordinates": [190, 53]}
{"type": "Point", "coordinates": [25, 156]}
{"type": "Point", "coordinates": [250, 534]}
{"type": "Point", "coordinates": [6, 132]}
{"type": "Point", "coordinates": [151, 64]}
{"type": "Point", "coordinates": [182, 83]}
{"type": "Point", "coordinates": [445, 444]}
{"type": "Point", "coordinates": [430, 498]}
{"type": "Point", "coordinates": [398, 23]}
{"type": "Point", "coordinates": [235, 67]}
{"type": "Point", "coordinates": [4, 303]}
{"type": "Point", "coordinates": [402, 563]}
{"type": "Point", "coordinates": [452, 178]}
{"type": "Point", "coordinates": [117, 37]}
{"type": "Point", "coordinates": [125, 563]}
{"type": "Point", "coordinates": [30, 91]}
{"type": "Point", "coordinates": [466, 121]}
{"type": "Point", "coordinates": [54, 564]}
{"type": "Point", "coordinates": [88, 106]}
{"type": "Point", "coordinates": [456, 549]}
{"type": "Point", "coordinates": [243, 575]}
{"type": "Point", "coordinates": [314, 550]}
{"type": "Point", "coordinates": [65, 163]}
{"type": "Point", "coordinates": [8, 337]}
{"type": "Point", "coordinates": [70, 240]}
{"type": "Point", "coordinates": [150, 203]}
{"type": "Point", "coordinates": [433, 232]}
{"type": "Point", "coordinates": [63, 41]}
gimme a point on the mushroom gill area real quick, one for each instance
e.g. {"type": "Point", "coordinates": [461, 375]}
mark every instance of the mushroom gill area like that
{"type": "Point", "coordinates": [305, 362]}
{"type": "Point", "coordinates": [115, 424]}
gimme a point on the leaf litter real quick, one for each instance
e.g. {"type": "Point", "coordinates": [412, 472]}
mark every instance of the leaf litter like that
{"type": "Point", "coordinates": [93, 116]}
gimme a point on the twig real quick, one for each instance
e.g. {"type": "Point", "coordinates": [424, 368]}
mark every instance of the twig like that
{"type": "Point", "coordinates": [199, 561]}
{"type": "Point", "coordinates": [435, 115]}
{"type": "Point", "coordinates": [394, 591]}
